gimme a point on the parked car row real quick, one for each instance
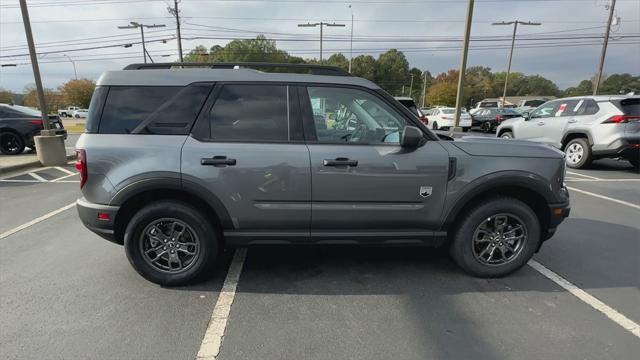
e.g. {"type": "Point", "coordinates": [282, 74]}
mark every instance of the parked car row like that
{"type": "Point", "coordinates": [18, 126]}
{"type": "Point", "coordinates": [73, 111]}
{"type": "Point", "coordinates": [585, 128]}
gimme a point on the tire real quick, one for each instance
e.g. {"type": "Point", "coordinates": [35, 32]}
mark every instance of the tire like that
{"type": "Point", "coordinates": [465, 129]}
{"type": "Point", "coordinates": [506, 135]}
{"type": "Point", "coordinates": [578, 153]}
{"type": "Point", "coordinates": [486, 127]}
{"type": "Point", "coordinates": [434, 126]}
{"type": "Point", "coordinates": [11, 143]}
{"type": "Point", "coordinates": [198, 237]}
{"type": "Point", "coordinates": [475, 258]}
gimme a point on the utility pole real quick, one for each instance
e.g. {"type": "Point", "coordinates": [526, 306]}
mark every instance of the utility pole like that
{"type": "Point", "coordinates": [321, 24]}
{"type": "Point", "coordinates": [175, 12]}
{"type": "Point", "coordinates": [50, 146]}
{"type": "Point", "coordinates": [513, 40]}
{"type": "Point", "coordinates": [411, 87]}
{"type": "Point", "coordinates": [351, 42]}
{"type": "Point", "coordinates": [135, 25]}
{"type": "Point", "coordinates": [34, 64]}
{"type": "Point", "coordinates": [424, 88]}
{"type": "Point", "coordinates": [604, 48]}
{"type": "Point", "coordinates": [463, 66]}
{"type": "Point", "coordinates": [74, 65]}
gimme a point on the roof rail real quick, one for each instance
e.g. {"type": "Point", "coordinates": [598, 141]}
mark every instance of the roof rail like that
{"type": "Point", "coordinates": [312, 69]}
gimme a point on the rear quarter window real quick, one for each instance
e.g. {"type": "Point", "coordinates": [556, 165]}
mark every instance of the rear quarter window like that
{"type": "Point", "coordinates": [160, 110]}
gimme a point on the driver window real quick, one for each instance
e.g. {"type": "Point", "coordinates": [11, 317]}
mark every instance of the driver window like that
{"type": "Point", "coordinates": [545, 110]}
{"type": "Point", "coordinates": [344, 115]}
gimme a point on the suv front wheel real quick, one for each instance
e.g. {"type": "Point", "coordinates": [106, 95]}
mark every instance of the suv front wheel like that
{"type": "Point", "coordinates": [496, 238]}
{"type": "Point", "coordinates": [170, 243]}
{"type": "Point", "coordinates": [578, 153]}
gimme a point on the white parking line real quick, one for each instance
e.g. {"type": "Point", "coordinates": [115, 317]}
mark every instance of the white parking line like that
{"type": "Point", "coordinates": [587, 176]}
{"type": "Point", "coordinates": [64, 177]}
{"type": "Point", "coordinates": [605, 197]}
{"type": "Point", "coordinates": [37, 177]}
{"type": "Point", "coordinates": [35, 221]}
{"type": "Point", "coordinates": [601, 180]}
{"type": "Point", "coordinates": [589, 299]}
{"type": "Point", "coordinates": [64, 170]}
{"type": "Point", "coordinates": [210, 346]}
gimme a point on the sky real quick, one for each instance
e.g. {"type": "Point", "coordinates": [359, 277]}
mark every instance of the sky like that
{"type": "Point", "coordinates": [429, 32]}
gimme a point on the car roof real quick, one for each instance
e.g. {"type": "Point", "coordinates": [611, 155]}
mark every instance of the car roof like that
{"type": "Point", "coordinates": [182, 77]}
{"type": "Point", "coordinates": [601, 97]}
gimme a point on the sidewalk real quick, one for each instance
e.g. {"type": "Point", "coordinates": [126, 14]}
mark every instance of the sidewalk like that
{"type": "Point", "coordinates": [9, 163]}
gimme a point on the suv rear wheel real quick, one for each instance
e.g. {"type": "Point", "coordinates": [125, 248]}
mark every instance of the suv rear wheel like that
{"type": "Point", "coordinates": [496, 238]}
{"type": "Point", "coordinates": [507, 135]}
{"type": "Point", "coordinates": [578, 153]}
{"type": "Point", "coordinates": [170, 243]}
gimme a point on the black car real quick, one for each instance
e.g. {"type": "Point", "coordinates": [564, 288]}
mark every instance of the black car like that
{"type": "Point", "coordinates": [488, 119]}
{"type": "Point", "coordinates": [18, 126]}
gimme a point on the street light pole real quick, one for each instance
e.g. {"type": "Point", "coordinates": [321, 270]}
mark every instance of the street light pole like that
{"type": "Point", "coordinates": [604, 48]}
{"type": "Point", "coordinates": [321, 24]}
{"type": "Point", "coordinates": [135, 25]}
{"type": "Point", "coordinates": [74, 65]}
{"type": "Point", "coordinates": [513, 41]}
{"type": "Point", "coordinates": [463, 65]}
{"type": "Point", "coordinates": [351, 42]}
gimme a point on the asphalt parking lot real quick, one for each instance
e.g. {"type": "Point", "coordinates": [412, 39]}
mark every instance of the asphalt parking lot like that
{"type": "Point", "coordinates": [67, 294]}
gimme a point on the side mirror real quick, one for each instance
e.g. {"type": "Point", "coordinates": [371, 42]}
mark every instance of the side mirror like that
{"type": "Point", "coordinates": [411, 137]}
{"type": "Point", "coordinates": [526, 115]}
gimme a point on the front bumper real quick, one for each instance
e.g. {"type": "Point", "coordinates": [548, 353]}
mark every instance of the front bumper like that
{"type": "Point", "coordinates": [98, 218]}
{"type": "Point", "coordinates": [557, 213]}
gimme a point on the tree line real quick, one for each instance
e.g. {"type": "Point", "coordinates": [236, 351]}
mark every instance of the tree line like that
{"type": "Point", "coordinates": [391, 70]}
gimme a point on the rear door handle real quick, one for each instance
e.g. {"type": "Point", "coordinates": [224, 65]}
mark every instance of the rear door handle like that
{"type": "Point", "coordinates": [218, 161]}
{"type": "Point", "coordinates": [340, 162]}
{"type": "Point", "coordinates": [540, 123]}
{"type": "Point", "coordinates": [572, 121]}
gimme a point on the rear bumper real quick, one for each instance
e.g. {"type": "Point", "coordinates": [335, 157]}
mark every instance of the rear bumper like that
{"type": "Point", "coordinates": [89, 214]}
{"type": "Point", "coordinates": [627, 149]}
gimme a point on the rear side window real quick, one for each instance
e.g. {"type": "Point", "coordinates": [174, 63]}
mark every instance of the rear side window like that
{"type": "Point", "coordinates": [630, 106]}
{"type": "Point", "coordinates": [244, 112]}
{"type": "Point", "coordinates": [160, 110]}
{"type": "Point", "coordinates": [586, 107]}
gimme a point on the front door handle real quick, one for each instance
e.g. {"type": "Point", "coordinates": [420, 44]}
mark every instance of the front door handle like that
{"type": "Point", "coordinates": [218, 161]}
{"type": "Point", "coordinates": [340, 162]}
{"type": "Point", "coordinates": [540, 123]}
{"type": "Point", "coordinates": [572, 121]}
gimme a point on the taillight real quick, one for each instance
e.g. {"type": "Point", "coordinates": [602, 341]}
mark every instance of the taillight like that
{"type": "Point", "coordinates": [499, 118]}
{"type": "Point", "coordinates": [36, 122]}
{"type": "Point", "coordinates": [81, 166]}
{"type": "Point", "coordinates": [424, 120]}
{"type": "Point", "coordinates": [620, 119]}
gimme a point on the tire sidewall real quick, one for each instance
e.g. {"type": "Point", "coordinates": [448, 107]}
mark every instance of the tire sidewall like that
{"type": "Point", "coordinates": [461, 246]}
{"type": "Point", "coordinates": [586, 151]}
{"type": "Point", "coordinates": [21, 145]}
{"type": "Point", "coordinates": [506, 135]}
{"type": "Point", "coordinates": [200, 225]}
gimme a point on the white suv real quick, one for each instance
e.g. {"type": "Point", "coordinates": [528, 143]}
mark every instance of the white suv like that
{"type": "Point", "coordinates": [586, 128]}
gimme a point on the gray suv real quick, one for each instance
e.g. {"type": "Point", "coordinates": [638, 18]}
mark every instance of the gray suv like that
{"type": "Point", "coordinates": [178, 164]}
{"type": "Point", "coordinates": [586, 128]}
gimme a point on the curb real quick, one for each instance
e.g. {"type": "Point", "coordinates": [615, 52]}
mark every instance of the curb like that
{"type": "Point", "coordinates": [30, 164]}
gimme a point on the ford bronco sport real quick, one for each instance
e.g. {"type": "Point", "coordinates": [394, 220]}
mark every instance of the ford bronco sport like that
{"type": "Point", "coordinates": [179, 163]}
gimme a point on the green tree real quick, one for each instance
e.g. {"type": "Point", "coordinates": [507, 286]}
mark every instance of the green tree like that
{"type": "Point", "coordinates": [442, 93]}
{"type": "Point", "coordinates": [53, 99]}
{"type": "Point", "coordinates": [585, 87]}
{"type": "Point", "coordinates": [259, 49]}
{"type": "Point", "coordinates": [6, 96]}
{"type": "Point", "coordinates": [338, 60]}
{"type": "Point", "coordinates": [364, 66]}
{"type": "Point", "coordinates": [78, 92]}
{"type": "Point", "coordinates": [620, 84]}
{"type": "Point", "coordinates": [392, 71]}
